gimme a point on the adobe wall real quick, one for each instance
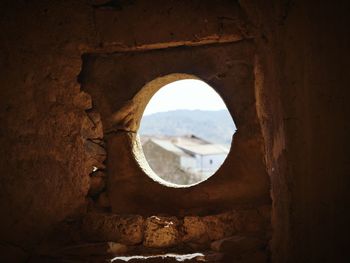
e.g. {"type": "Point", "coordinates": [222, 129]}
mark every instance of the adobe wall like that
{"type": "Point", "coordinates": [303, 60]}
{"type": "Point", "coordinates": [242, 181]}
{"type": "Point", "coordinates": [46, 134]}
{"type": "Point", "coordinates": [300, 82]}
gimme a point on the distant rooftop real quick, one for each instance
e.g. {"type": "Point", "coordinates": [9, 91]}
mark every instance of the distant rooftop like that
{"type": "Point", "coordinates": [169, 146]}
{"type": "Point", "coordinates": [204, 149]}
{"type": "Point", "coordinates": [188, 144]}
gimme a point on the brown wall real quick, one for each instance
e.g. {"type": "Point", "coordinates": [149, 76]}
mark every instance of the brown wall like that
{"type": "Point", "coordinates": [44, 167]}
{"type": "Point", "coordinates": [302, 68]}
{"type": "Point", "coordinates": [119, 79]}
{"type": "Point", "coordinates": [304, 60]}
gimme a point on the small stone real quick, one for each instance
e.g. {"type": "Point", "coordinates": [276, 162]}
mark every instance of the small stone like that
{"type": "Point", "coordinates": [161, 232]}
{"type": "Point", "coordinates": [220, 226]}
{"type": "Point", "coordinates": [99, 142]}
{"type": "Point", "coordinates": [98, 173]}
{"type": "Point", "coordinates": [95, 117]}
{"type": "Point", "coordinates": [87, 127]}
{"type": "Point", "coordinates": [195, 230]}
{"type": "Point", "coordinates": [93, 164]}
{"type": "Point", "coordinates": [127, 230]}
{"type": "Point", "coordinates": [95, 156]}
{"type": "Point", "coordinates": [89, 130]}
{"type": "Point", "coordinates": [94, 149]}
{"type": "Point", "coordinates": [83, 101]}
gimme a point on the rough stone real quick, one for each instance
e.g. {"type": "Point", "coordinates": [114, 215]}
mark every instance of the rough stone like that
{"type": "Point", "coordinates": [99, 142]}
{"type": "Point", "coordinates": [95, 117]}
{"type": "Point", "coordinates": [91, 131]}
{"type": "Point", "coordinates": [194, 230]}
{"type": "Point", "coordinates": [95, 155]}
{"type": "Point", "coordinates": [94, 149]}
{"type": "Point", "coordinates": [83, 101]}
{"type": "Point", "coordinates": [95, 163]}
{"type": "Point", "coordinates": [161, 232]}
{"type": "Point", "coordinates": [98, 173]}
{"type": "Point", "coordinates": [221, 225]}
{"type": "Point", "coordinates": [104, 227]}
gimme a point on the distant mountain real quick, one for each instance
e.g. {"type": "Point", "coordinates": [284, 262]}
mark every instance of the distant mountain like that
{"type": "Point", "coordinates": [213, 126]}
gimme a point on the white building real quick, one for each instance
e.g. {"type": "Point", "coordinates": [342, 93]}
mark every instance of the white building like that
{"type": "Point", "coordinates": [208, 157]}
{"type": "Point", "coordinates": [191, 154]}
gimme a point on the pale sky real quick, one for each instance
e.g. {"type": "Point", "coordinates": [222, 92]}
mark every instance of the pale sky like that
{"type": "Point", "coordinates": [189, 94]}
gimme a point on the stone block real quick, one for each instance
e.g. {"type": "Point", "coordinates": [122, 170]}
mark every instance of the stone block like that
{"type": "Point", "coordinates": [94, 149]}
{"type": "Point", "coordinates": [98, 174]}
{"type": "Point", "coordinates": [90, 130]}
{"type": "Point", "coordinates": [194, 230]}
{"type": "Point", "coordinates": [161, 232]}
{"type": "Point", "coordinates": [95, 155]}
{"type": "Point", "coordinates": [127, 230]}
{"type": "Point", "coordinates": [83, 101]}
{"type": "Point", "coordinates": [221, 225]}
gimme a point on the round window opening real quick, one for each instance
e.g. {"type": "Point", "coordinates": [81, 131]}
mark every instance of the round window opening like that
{"type": "Point", "coordinates": [186, 133]}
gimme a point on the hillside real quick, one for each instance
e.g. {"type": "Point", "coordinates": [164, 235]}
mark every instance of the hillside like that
{"type": "Point", "coordinates": [214, 126]}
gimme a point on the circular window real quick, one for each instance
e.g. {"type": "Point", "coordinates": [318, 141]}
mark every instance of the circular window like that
{"type": "Point", "coordinates": [185, 132]}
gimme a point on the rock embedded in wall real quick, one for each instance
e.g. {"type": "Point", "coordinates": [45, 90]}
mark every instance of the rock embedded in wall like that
{"type": "Point", "coordinates": [194, 230]}
{"type": "Point", "coordinates": [82, 101]}
{"type": "Point", "coordinates": [96, 119]}
{"type": "Point", "coordinates": [105, 227]}
{"type": "Point", "coordinates": [91, 130]}
{"type": "Point", "coordinates": [221, 225]}
{"type": "Point", "coordinates": [95, 155]}
{"type": "Point", "coordinates": [161, 232]}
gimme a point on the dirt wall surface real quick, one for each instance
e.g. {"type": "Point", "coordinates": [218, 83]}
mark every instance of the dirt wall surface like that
{"type": "Point", "coordinates": [301, 85]}
{"type": "Point", "coordinates": [42, 109]}
{"type": "Point", "coordinates": [303, 60]}
{"type": "Point", "coordinates": [242, 180]}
